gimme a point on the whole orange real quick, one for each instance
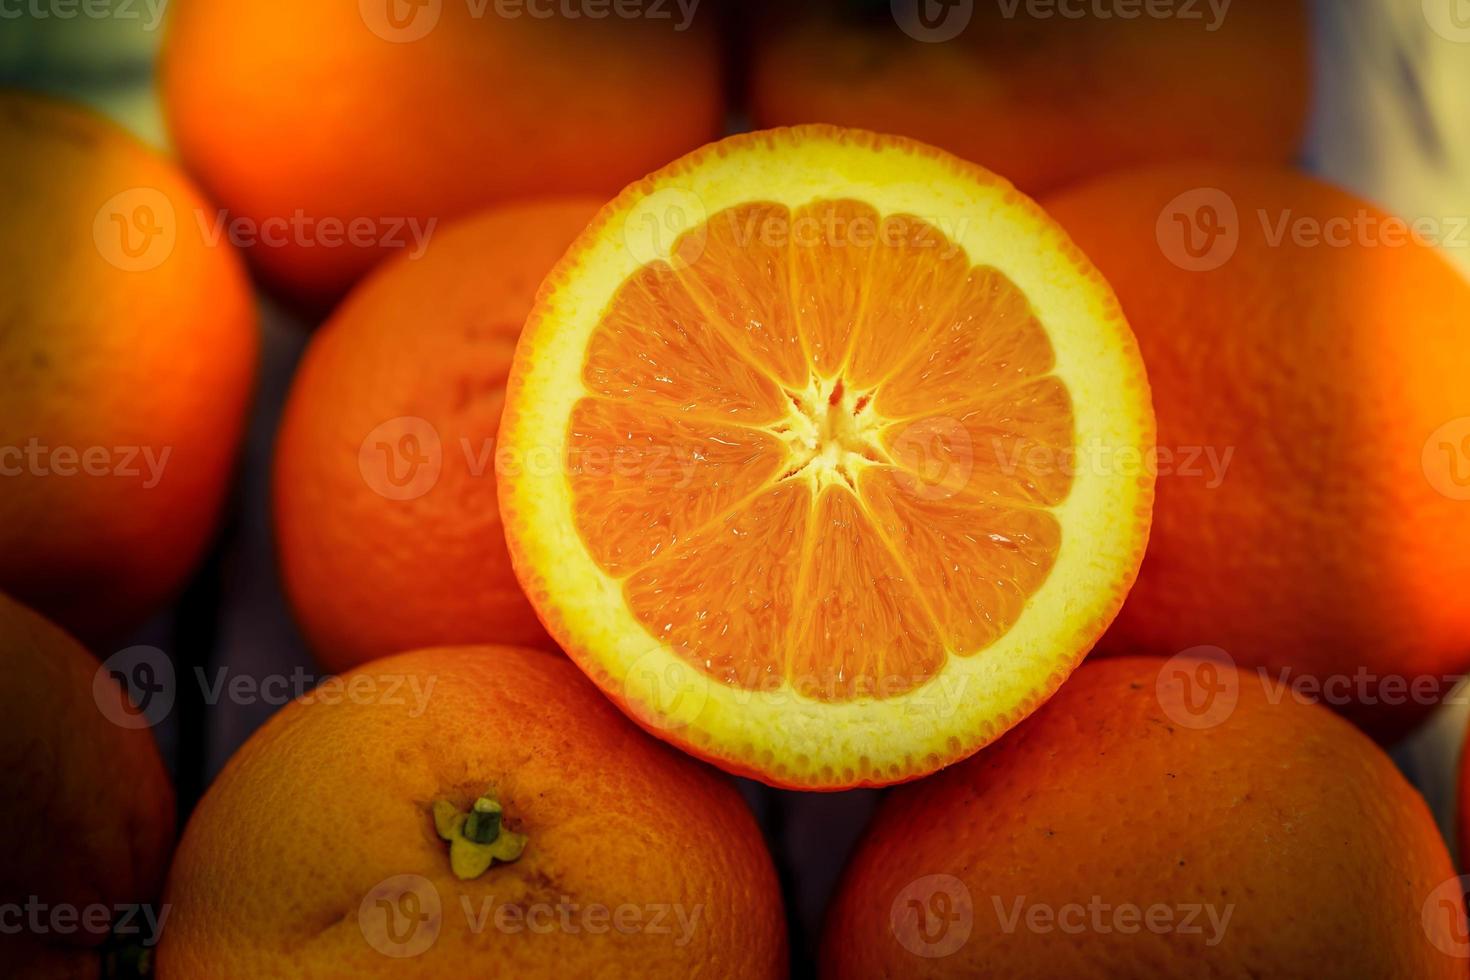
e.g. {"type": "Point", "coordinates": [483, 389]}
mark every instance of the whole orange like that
{"type": "Point", "coordinates": [1132, 828]}
{"type": "Point", "coordinates": [1307, 358]}
{"type": "Point", "coordinates": [1039, 95]}
{"type": "Point", "coordinates": [386, 518]}
{"type": "Point", "coordinates": [87, 806]}
{"type": "Point", "coordinates": [126, 362]}
{"type": "Point", "coordinates": [305, 118]}
{"type": "Point", "coordinates": [315, 853]}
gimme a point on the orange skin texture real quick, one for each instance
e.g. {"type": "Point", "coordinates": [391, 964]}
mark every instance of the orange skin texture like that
{"type": "Point", "coordinates": [1045, 102]}
{"type": "Point", "coordinates": [88, 809]}
{"type": "Point", "coordinates": [369, 575]}
{"type": "Point", "coordinates": [98, 357]}
{"type": "Point", "coordinates": [330, 798]}
{"type": "Point", "coordinates": [288, 105]}
{"type": "Point", "coordinates": [1325, 550]}
{"type": "Point", "coordinates": [1282, 810]}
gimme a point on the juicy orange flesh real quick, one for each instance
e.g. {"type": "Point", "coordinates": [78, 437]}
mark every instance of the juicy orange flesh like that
{"type": "Point", "coordinates": [819, 450]}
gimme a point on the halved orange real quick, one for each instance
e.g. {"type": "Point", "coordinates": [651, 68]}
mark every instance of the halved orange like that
{"type": "Point", "coordinates": [825, 454]}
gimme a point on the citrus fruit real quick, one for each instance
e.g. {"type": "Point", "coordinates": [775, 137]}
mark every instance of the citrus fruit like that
{"type": "Point", "coordinates": [128, 357]}
{"type": "Point", "coordinates": [1045, 100]}
{"type": "Point", "coordinates": [419, 112]}
{"type": "Point", "coordinates": [630, 859]}
{"type": "Point", "coordinates": [816, 456]}
{"type": "Point", "coordinates": [88, 808]}
{"type": "Point", "coordinates": [1305, 352]}
{"type": "Point", "coordinates": [1134, 828]}
{"type": "Point", "coordinates": [385, 511]}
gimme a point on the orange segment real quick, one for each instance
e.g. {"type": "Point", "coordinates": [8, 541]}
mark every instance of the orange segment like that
{"type": "Point", "coordinates": [741, 272]}
{"type": "Point", "coordinates": [725, 597]}
{"type": "Point", "coordinates": [990, 341]}
{"type": "Point", "coordinates": [920, 274]}
{"type": "Point", "coordinates": [831, 243]}
{"type": "Point", "coordinates": [977, 563]}
{"type": "Point", "coordinates": [880, 556]}
{"type": "Point", "coordinates": [1015, 445]}
{"type": "Point", "coordinates": [658, 350]}
{"type": "Point", "coordinates": [959, 338]}
{"type": "Point", "coordinates": [862, 628]}
{"type": "Point", "coordinates": [646, 481]}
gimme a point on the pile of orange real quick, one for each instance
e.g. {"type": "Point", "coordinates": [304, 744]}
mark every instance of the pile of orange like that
{"type": "Point", "coordinates": [821, 455]}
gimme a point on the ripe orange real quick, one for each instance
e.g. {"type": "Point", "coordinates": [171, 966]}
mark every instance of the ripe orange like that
{"type": "Point", "coordinates": [385, 508]}
{"type": "Point", "coordinates": [88, 809]}
{"type": "Point", "coordinates": [1131, 829]}
{"type": "Point", "coordinates": [1307, 366]}
{"type": "Point", "coordinates": [314, 113]}
{"type": "Point", "coordinates": [315, 853]}
{"type": "Point", "coordinates": [791, 438]}
{"type": "Point", "coordinates": [1045, 100]}
{"type": "Point", "coordinates": [127, 358]}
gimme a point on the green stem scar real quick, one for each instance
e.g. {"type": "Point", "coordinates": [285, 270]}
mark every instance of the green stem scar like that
{"type": "Point", "coordinates": [476, 839]}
